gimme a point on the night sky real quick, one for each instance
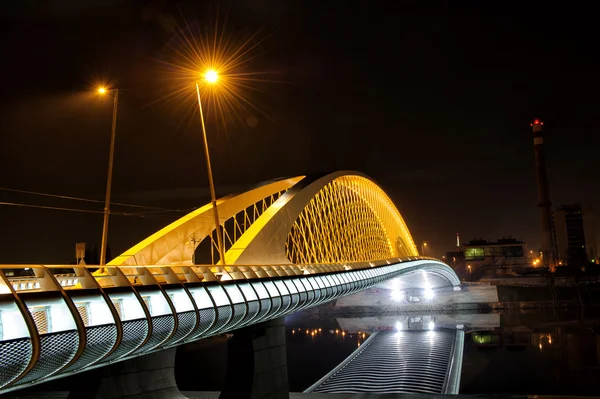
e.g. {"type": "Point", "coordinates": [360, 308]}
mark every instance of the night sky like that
{"type": "Point", "coordinates": [433, 100]}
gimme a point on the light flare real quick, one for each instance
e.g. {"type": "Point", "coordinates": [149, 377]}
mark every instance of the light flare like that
{"type": "Point", "coordinates": [211, 76]}
{"type": "Point", "coordinates": [428, 294]}
{"type": "Point", "coordinates": [396, 295]}
{"type": "Point", "coordinates": [217, 61]}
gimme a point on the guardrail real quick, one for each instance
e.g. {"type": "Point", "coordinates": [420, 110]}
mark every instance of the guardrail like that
{"type": "Point", "coordinates": [60, 320]}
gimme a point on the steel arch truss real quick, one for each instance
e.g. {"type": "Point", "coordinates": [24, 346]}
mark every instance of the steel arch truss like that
{"type": "Point", "coordinates": [350, 219]}
{"type": "Point", "coordinates": [337, 217]}
{"type": "Point", "coordinates": [176, 243]}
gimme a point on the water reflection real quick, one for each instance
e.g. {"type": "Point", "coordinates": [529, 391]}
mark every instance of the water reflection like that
{"type": "Point", "coordinates": [395, 352]}
{"type": "Point", "coordinates": [539, 352]}
{"type": "Point", "coordinates": [404, 361]}
{"type": "Point", "coordinates": [546, 352]}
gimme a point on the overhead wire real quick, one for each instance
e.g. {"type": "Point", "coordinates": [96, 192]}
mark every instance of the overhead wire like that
{"type": "Point", "coordinates": [48, 207]}
{"type": "Point", "coordinates": [57, 208]}
{"type": "Point", "coordinates": [87, 199]}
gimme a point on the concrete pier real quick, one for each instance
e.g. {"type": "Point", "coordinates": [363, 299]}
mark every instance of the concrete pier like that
{"type": "Point", "coordinates": [257, 363]}
{"type": "Point", "coordinates": [147, 377]}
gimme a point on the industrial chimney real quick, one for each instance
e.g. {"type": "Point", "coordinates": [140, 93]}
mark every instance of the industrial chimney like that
{"type": "Point", "coordinates": [543, 195]}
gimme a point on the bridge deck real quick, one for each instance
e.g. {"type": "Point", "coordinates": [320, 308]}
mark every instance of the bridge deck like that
{"type": "Point", "coordinates": [59, 324]}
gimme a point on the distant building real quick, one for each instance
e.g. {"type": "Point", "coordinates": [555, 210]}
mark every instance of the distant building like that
{"type": "Point", "coordinates": [488, 258]}
{"type": "Point", "coordinates": [575, 235]}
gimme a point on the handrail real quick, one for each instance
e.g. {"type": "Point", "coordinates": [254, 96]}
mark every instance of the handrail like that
{"type": "Point", "coordinates": [120, 312]}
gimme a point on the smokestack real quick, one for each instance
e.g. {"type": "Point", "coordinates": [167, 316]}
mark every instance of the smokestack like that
{"type": "Point", "coordinates": [543, 194]}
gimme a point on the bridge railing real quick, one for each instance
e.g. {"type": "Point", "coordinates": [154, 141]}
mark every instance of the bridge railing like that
{"type": "Point", "coordinates": [59, 320]}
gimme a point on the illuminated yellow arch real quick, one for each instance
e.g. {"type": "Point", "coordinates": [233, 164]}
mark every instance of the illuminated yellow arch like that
{"type": "Point", "coordinates": [175, 244]}
{"type": "Point", "coordinates": [338, 217]}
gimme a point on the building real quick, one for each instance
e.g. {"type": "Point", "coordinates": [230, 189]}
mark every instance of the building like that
{"type": "Point", "coordinates": [503, 257]}
{"type": "Point", "coordinates": [575, 235]}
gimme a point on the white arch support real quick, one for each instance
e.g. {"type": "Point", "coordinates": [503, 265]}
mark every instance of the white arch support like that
{"type": "Point", "coordinates": [175, 244]}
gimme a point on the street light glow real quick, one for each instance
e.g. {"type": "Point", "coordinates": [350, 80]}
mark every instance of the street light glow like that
{"type": "Point", "coordinates": [428, 294]}
{"type": "Point", "coordinates": [211, 76]}
{"type": "Point", "coordinates": [101, 90]}
{"type": "Point", "coordinates": [211, 64]}
{"type": "Point", "coordinates": [396, 295]}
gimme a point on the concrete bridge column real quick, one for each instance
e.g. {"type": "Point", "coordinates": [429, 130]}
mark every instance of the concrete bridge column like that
{"type": "Point", "coordinates": [257, 363]}
{"type": "Point", "coordinates": [256, 369]}
{"type": "Point", "coordinates": [146, 377]}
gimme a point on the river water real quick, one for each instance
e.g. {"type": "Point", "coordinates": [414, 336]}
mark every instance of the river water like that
{"type": "Point", "coordinates": [544, 352]}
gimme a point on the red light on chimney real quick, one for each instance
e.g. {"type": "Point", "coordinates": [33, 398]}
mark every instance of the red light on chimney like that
{"type": "Point", "coordinates": [536, 122]}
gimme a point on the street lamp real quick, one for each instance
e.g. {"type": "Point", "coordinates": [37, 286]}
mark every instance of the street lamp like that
{"type": "Point", "coordinates": [211, 77]}
{"type": "Point", "coordinates": [469, 267]}
{"type": "Point", "coordinates": [111, 157]}
{"type": "Point", "coordinates": [423, 248]}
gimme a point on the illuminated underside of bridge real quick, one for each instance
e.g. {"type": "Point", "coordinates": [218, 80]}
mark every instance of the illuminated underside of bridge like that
{"type": "Point", "coordinates": [290, 244]}
{"type": "Point", "coordinates": [402, 361]}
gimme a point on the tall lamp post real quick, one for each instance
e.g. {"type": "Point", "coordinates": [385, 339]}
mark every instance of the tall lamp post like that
{"type": "Point", "coordinates": [111, 157]}
{"type": "Point", "coordinates": [211, 77]}
{"type": "Point", "coordinates": [423, 248]}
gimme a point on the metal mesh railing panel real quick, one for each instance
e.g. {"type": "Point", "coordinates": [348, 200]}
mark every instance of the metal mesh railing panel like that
{"type": "Point", "coordinates": [265, 307]}
{"type": "Point", "coordinates": [134, 333]}
{"type": "Point", "coordinates": [162, 328]}
{"type": "Point", "coordinates": [223, 316]}
{"type": "Point", "coordinates": [302, 299]}
{"type": "Point", "coordinates": [285, 304]}
{"type": "Point", "coordinates": [83, 312]}
{"type": "Point", "coordinates": [40, 317]}
{"type": "Point", "coordinates": [239, 311]}
{"type": "Point", "coordinates": [99, 341]}
{"type": "Point", "coordinates": [253, 310]}
{"type": "Point", "coordinates": [275, 306]}
{"type": "Point", "coordinates": [186, 323]}
{"type": "Point", "coordinates": [207, 318]}
{"type": "Point", "coordinates": [14, 358]}
{"type": "Point", "coordinates": [56, 350]}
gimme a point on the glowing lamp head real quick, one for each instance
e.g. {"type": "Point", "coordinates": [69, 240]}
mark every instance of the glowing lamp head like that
{"type": "Point", "coordinates": [211, 76]}
{"type": "Point", "coordinates": [101, 90]}
{"type": "Point", "coordinates": [396, 295]}
{"type": "Point", "coordinates": [428, 294]}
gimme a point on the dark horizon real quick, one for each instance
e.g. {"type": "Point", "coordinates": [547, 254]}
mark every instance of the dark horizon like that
{"type": "Point", "coordinates": [433, 102]}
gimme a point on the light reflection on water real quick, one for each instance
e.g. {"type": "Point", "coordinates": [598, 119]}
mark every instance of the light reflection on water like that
{"type": "Point", "coordinates": [533, 352]}
{"type": "Point", "coordinates": [544, 352]}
